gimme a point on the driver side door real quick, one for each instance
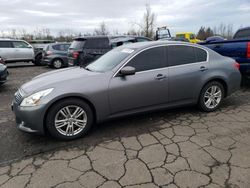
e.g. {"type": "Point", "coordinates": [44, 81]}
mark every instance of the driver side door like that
{"type": "Point", "coordinates": [147, 88]}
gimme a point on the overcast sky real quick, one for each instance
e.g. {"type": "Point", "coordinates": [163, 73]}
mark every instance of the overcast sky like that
{"type": "Point", "coordinates": [86, 15]}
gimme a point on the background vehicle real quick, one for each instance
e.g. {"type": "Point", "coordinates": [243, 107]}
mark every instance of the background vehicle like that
{"type": "Point", "coordinates": [3, 72]}
{"type": "Point", "coordinates": [189, 36]}
{"type": "Point", "coordinates": [130, 79]}
{"type": "Point", "coordinates": [38, 46]}
{"type": "Point", "coordinates": [16, 51]}
{"type": "Point", "coordinates": [238, 48]}
{"type": "Point", "coordinates": [55, 55]}
{"type": "Point", "coordinates": [163, 33]}
{"type": "Point", "coordinates": [84, 50]}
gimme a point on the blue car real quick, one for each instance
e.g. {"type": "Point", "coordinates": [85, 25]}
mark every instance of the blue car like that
{"type": "Point", "coordinates": [55, 55]}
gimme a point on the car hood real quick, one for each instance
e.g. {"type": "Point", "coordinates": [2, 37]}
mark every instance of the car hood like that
{"type": "Point", "coordinates": [54, 78]}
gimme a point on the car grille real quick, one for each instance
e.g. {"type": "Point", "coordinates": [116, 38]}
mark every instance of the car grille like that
{"type": "Point", "coordinates": [18, 97]}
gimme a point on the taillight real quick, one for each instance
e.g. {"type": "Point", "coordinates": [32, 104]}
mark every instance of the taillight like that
{"type": "Point", "coordinates": [75, 55]}
{"type": "Point", "coordinates": [49, 53]}
{"type": "Point", "coordinates": [248, 50]}
{"type": "Point", "coordinates": [237, 65]}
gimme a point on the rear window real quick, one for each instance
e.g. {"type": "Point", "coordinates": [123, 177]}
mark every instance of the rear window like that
{"type": "Point", "coordinates": [77, 44]}
{"type": "Point", "coordinates": [242, 34]}
{"type": "Point", "coordinates": [5, 44]}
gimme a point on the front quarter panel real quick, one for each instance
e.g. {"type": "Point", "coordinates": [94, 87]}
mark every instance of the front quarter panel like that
{"type": "Point", "coordinates": [93, 90]}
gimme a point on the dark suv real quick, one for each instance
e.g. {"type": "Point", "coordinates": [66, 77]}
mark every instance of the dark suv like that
{"type": "Point", "coordinates": [55, 55]}
{"type": "Point", "coordinates": [84, 50]}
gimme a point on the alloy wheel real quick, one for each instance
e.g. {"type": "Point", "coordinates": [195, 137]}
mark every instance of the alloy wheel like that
{"type": "Point", "coordinates": [70, 120]}
{"type": "Point", "coordinates": [212, 97]}
{"type": "Point", "coordinates": [57, 64]}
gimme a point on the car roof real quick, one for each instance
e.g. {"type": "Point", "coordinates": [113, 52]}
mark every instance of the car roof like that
{"type": "Point", "coordinates": [142, 45]}
{"type": "Point", "coordinates": [8, 39]}
{"type": "Point", "coordinates": [110, 37]}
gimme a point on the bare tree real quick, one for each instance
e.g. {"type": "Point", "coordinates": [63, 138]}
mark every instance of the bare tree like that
{"type": "Point", "coordinates": [224, 30]}
{"type": "Point", "coordinates": [148, 23]}
{"type": "Point", "coordinates": [102, 30]}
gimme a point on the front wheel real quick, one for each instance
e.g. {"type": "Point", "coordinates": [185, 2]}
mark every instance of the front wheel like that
{"type": "Point", "coordinates": [69, 119]}
{"type": "Point", "coordinates": [211, 96]}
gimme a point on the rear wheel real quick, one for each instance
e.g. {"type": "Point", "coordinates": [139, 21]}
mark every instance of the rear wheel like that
{"type": "Point", "coordinates": [57, 63]}
{"type": "Point", "coordinates": [211, 96]}
{"type": "Point", "coordinates": [69, 119]}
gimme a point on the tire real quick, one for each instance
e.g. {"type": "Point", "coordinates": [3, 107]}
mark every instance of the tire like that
{"type": "Point", "coordinates": [69, 129]}
{"type": "Point", "coordinates": [57, 63]}
{"type": "Point", "coordinates": [211, 96]}
{"type": "Point", "coordinates": [38, 60]}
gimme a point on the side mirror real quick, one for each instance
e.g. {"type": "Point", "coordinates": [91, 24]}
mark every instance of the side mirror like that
{"type": "Point", "coordinates": [128, 70]}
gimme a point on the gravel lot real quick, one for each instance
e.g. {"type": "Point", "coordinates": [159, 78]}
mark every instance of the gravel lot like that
{"type": "Point", "coordinates": [173, 148]}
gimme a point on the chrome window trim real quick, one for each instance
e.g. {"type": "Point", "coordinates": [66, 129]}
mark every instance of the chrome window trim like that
{"type": "Point", "coordinates": [162, 45]}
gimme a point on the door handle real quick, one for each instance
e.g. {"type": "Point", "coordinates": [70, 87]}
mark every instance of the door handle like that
{"type": "Point", "coordinates": [160, 77]}
{"type": "Point", "coordinates": [203, 68]}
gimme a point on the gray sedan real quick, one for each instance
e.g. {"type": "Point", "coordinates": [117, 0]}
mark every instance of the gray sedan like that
{"type": "Point", "coordinates": [130, 79]}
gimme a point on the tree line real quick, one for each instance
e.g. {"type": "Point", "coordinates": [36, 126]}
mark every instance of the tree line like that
{"type": "Point", "coordinates": [146, 27]}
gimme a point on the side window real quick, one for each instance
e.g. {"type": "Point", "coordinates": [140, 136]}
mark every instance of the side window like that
{"type": "Point", "coordinates": [56, 47]}
{"type": "Point", "coordinates": [20, 44]}
{"type": "Point", "coordinates": [201, 55]}
{"type": "Point", "coordinates": [153, 58]}
{"type": "Point", "coordinates": [180, 55]}
{"type": "Point", "coordinates": [97, 43]}
{"type": "Point", "coordinates": [66, 47]}
{"type": "Point", "coordinates": [5, 44]}
{"type": "Point", "coordinates": [182, 36]}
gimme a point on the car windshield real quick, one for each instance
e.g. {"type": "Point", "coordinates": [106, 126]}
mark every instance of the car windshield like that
{"type": "Point", "coordinates": [110, 60]}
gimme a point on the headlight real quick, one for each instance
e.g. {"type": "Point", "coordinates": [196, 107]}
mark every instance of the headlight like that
{"type": "Point", "coordinates": [34, 99]}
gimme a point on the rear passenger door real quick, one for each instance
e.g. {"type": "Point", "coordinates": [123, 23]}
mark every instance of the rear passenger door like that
{"type": "Point", "coordinates": [7, 50]}
{"type": "Point", "coordinates": [187, 65]}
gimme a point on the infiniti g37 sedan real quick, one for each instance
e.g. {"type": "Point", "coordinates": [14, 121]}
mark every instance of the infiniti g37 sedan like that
{"type": "Point", "coordinates": [130, 79]}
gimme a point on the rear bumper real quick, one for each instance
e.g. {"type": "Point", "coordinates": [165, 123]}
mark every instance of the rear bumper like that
{"type": "Point", "coordinates": [245, 68]}
{"type": "Point", "coordinates": [234, 83]}
{"type": "Point", "coordinates": [72, 62]}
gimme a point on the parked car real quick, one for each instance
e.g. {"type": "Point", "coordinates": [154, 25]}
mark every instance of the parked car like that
{"type": "Point", "coordinates": [130, 79]}
{"type": "Point", "coordinates": [16, 51]}
{"type": "Point", "coordinates": [55, 55]}
{"type": "Point", "coordinates": [84, 50]}
{"type": "Point", "coordinates": [38, 46]}
{"type": "Point", "coordinates": [238, 48]}
{"type": "Point", "coordinates": [3, 72]}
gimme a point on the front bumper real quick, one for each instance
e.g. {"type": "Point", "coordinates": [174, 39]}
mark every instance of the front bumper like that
{"type": "Point", "coordinates": [29, 119]}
